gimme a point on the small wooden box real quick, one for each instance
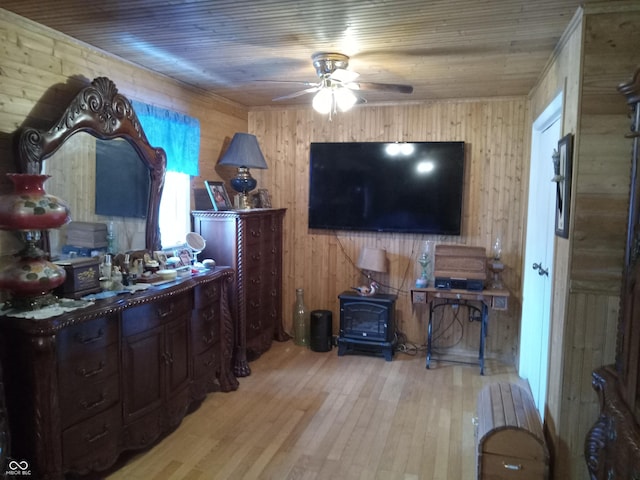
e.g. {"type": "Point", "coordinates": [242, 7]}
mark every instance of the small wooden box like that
{"type": "Point", "coordinates": [83, 277]}
{"type": "Point", "coordinates": [509, 438]}
{"type": "Point", "coordinates": [459, 261]}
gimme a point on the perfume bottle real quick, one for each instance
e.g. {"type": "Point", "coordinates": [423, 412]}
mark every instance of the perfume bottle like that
{"type": "Point", "coordinates": [111, 239]}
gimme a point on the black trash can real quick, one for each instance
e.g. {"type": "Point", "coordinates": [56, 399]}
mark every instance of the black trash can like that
{"type": "Point", "coordinates": [321, 330]}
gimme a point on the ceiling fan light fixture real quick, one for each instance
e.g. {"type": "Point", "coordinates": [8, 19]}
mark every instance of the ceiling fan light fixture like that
{"type": "Point", "coordinates": [323, 101]}
{"type": "Point", "coordinates": [345, 98]}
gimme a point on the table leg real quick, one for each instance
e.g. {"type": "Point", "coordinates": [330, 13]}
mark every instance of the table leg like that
{"type": "Point", "coordinates": [429, 334]}
{"type": "Point", "coordinates": [483, 334]}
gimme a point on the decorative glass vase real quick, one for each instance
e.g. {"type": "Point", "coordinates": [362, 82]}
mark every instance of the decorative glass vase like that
{"type": "Point", "coordinates": [301, 320]}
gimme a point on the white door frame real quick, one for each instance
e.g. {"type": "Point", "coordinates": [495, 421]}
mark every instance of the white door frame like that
{"type": "Point", "coordinates": [536, 317]}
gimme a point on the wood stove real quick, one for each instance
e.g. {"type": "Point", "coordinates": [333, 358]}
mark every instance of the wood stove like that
{"type": "Point", "coordinates": [367, 324]}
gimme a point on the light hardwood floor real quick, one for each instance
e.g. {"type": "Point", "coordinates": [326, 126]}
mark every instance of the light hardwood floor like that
{"type": "Point", "coordinates": [311, 415]}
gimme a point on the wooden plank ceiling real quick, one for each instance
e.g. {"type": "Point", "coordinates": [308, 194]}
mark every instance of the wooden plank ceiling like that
{"type": "Point", "coordinates": [444, 48]}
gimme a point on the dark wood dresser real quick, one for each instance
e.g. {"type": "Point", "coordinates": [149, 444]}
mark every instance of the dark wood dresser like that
{"type": "Point", "coordinates": [85, 386]}
{"type": "Point", "coordinates": [612, 446]}
{"type": "Point", "coordinates": [250, 241]}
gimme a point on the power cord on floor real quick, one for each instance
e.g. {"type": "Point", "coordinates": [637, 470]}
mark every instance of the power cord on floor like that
{"type": "Point", "coordinates": [406, 347]}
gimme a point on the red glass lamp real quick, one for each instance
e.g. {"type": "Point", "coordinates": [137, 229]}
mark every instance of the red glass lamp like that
{"type": "Point", "coordinates": [31, 277]}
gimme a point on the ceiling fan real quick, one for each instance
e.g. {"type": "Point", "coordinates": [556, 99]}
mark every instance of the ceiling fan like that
{"type": "Point", "coordinates": [335, 90]}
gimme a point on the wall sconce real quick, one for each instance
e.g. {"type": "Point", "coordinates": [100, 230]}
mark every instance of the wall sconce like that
{"type": "Point", "coordinates": [371, 260]}
{"type": "Point", "coordinates": [243, 153]}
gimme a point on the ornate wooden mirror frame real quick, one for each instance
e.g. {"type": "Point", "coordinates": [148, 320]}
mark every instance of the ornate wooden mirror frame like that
{"type": "Point", "coordinates": [106, 114]}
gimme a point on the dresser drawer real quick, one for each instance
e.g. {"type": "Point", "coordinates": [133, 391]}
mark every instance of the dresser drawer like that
{"type": "Point", "coordinates": [206, 294]}
{"type": "Point", "coordinates": [205, 328]}
{"type": "Point", "coordinates": [255, 259]}
{"type": "Point", "coordinates": [144, 317]}
{"type": "Point", "coordinates": [79, 340]}
{"type": "Point", "coordinates": [77, 403]}
{"type": "Point", "coordinates": [254, 299]}
{"type": "Point", "coordinates": [207, 364]}
{"type": "Point", "coordinates": [254, 275]}
{"type": "Point", "coordinates": [254, 233]}
{"type": "Point", "coordinates": [92, 442]}
{"type": "Point", "coordinates": [94, 366]}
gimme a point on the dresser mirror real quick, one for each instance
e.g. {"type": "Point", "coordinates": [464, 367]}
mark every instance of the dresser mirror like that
{"type": "Point", "coordinates": [67, 151]}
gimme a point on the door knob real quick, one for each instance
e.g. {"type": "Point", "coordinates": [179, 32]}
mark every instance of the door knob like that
{"type": "Point", "coordinates": [541, 271]}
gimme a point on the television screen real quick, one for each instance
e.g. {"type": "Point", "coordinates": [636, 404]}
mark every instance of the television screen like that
{"type": "Point", "coordinates": [387, 187]}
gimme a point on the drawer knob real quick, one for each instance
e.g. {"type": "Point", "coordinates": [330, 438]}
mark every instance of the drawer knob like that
{"type": "Point", "coordinates": [209, 340]}
{"type": "Point", "coordinates": [97, 436]}
{"type": "Point", "coordinates": [84, 340]}
{"type": "Point", "coordinates": [511, 466]}
{"type": "Point", "coordinates": [88, 406]}
{"type": "Point", "coordinates": [210, 361]}
{"type": "Point", "coordinates": [211, 292]}
{"type": "Point", "coordinates": [165, 312]}
{"type": "Point", "coordinates": [90, 373]}
{"type": "Point", "coordinates": [167, 357]}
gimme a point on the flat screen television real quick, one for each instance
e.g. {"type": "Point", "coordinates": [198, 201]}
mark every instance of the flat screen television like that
{"type": "Point", "coordinates": [387, 187]}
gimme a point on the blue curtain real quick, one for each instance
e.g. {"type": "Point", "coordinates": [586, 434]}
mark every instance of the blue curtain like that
{"type": "Point", "coordinates": [177, 134]}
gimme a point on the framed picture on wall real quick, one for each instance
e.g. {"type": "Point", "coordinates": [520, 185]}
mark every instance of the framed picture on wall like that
{"type": "Point", "coordinates": [218, 195]}
{"type": "Point", "coordinates": [563, 167]}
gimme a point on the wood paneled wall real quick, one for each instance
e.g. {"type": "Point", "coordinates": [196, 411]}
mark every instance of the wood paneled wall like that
{"type": "Point", "coordinates": [41, 70]}
{"type": "Point", "coordinates": [600, 53]}
{"type": "Point", "coordinates": [323, 262]}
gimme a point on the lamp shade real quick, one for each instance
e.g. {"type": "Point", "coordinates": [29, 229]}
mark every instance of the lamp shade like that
{"type": "Point", "coordinates": [373, 259]}
{"type": "Point", "coordinates": [243, 151]}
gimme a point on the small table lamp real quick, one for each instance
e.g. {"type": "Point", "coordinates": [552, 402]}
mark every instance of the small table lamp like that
{"type": "Point", "coordinates": [244, 153]}
{"type": "Point", "coordinates": [371, 260]}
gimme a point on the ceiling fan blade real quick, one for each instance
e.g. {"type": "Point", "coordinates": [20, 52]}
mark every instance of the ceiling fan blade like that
{"type": "Point", "coordinates": [297, 94]}
{"type": "Point", "coordinates": [381, 87]}
{"type": "Point", "coordinates": [289, 82]}
{"type": "Point", "coordinates": [344, 76]}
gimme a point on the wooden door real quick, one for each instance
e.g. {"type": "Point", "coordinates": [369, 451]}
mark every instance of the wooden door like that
{"type": "Point", "coordinates": [176, 355]}
{"type": "Point", "coordinates": [144, 383]}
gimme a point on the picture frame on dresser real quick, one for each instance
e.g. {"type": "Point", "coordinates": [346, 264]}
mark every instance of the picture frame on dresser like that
{"type": "Point", "coordinates": [201, 199]}
{"type": "Point", "coordinates": [265, 198]}
{"type": "Point", "coordinates": [218, 195]}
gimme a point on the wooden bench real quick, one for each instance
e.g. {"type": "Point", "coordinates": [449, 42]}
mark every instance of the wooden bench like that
{"type": "Point", "coordinates": [509, 438]}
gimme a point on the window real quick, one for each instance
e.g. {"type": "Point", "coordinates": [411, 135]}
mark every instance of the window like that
{"type": "Point", "coordinates": [175, 209]}
{"type": "Point", "coordinates": [179, 136]}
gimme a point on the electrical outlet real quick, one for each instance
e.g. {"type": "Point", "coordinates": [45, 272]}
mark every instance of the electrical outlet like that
{"type": "Point", "coordinates": [419, 297]}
